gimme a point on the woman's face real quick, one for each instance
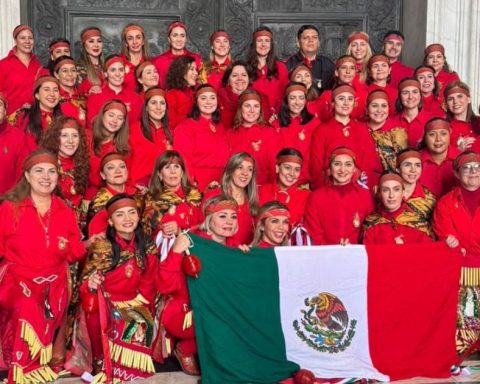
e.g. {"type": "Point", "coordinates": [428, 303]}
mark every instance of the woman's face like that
{"type": "Point", "coordinates": [134, 40]}
{"type": "Point", "coordinates": [343, 104]}
{"type": "Point", "coordinates": [238, 79]}
{"type": "Point", "coordinates": [221, 46]}
{"type": "Point", "coordinates": [94, 46]}
{"type": "Point", "coordinates": [24, 42]}
{"type": "Point", "coordinates": [115, 173]}
{"type": "Point", "coordinates": [379, 71]}
{"type": "Point", "coordinates": [69, 142]}
{"type": "Point", "coordinates": [427, 82]}
{"type": "Point", "coordinates": [469, 176]}
{"type": "Point", "coordinates": [411, 170]}
{"type": "Point", "coordinates": [391, 194]}
{"type": "Point", "coordinates": [342, 168]}
{"type": "Point", "coordinates": [359, 49]}
{"type": "Point", "coordinates": [250, 112]}
{"type": "Point", "coordinates": [242, 175]}
{"type": "Point", "coordinates": [207, 103]}
{"type": "Point", "coordinates": [377, 111]}
{"type": "Point", "coordinates": [457, 103]}
{"type": "Point", "coordinates": [113, 120]}
{"type": "Point", "coordinates": [177, 39]}
{"type": "Point", "coordinates": [67, 75]}
{"type": "Point", "coordinates": [171, 176]}
{"type": "Point", "coordinates": [125, 221]}
{"type": "Point", "coordinates": [288, 174]}
{"type": "Point", "coordinates": [48, 96]}
{"type": "Point", "coordinates": [60, 51]}
{"type": "Point", "coordinates": [115, 74]}
{"type": "Point", "coordinates": [296, 101]}
{"type": "Point", "coordinates": [42, 178]}
{"type": "Point", "coordinates": [304, 76]}
{"type": "Point", "coordinates": [275, 229]}
{"type": "Point", "coordinates": [223, 224]}
{"type": "Point", "coordinates": [263, 44]}
{"type": "Point", "coordinates": [436, 60]}
{"type": "Point", "coordinates": [346, 72]}
{"type": "Point", "coordinates": [410, 97]}
{"type": "Point", "coordinates": [191, 75]}
{"type": "Point", "coordinates": [156, 108]}
{"type": "Point", "coordinates": [149, 77]}
{"type": "Point", "coordinates": [437, 141]}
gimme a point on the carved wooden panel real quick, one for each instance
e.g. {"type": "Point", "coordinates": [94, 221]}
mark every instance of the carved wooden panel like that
{"type": "Point", "coordinates": [334, 18]}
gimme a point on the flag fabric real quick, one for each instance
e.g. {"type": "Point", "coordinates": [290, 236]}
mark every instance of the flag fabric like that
{"type": "Point", "coordinates": [376, 312]}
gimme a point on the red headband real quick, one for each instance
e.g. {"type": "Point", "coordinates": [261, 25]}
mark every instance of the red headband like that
{"type": "Point", "coordinates": [134, 27]}
{"type": "Point", "coordinates": [437, 124]}
{"type": "Point", "coordinates": [358, 36]}
{"type": "Point", "coordinates": [262, 33]}
{"type": "Point", "coordinates": [408, 83]}
{"type": "Point", "coordinates": [20, 28]}
{"type": "Point", "coordinates": [344, 59]}
{"type": "Point", "coordinates": [89, 33]}
{"type": "Point", "coordinates": [218, 34]}
{"type": "Point", "coordinates": [393, 36]}
{"type": "Point", "coordinates": [341, 89]}
{"type": "Point", "coordinates": [249, 96]}
{"type": "Point", "coordinates": [456, 89]}
{"type": "Point", "coordinates": [59, 44]}
{"type": "Point", "coordinates": [298, 68]}
{"type": "Point", "coordinates": [389, 177]}
{"type": "Point", "coordinates": [71, 123]}
{"type": "Point", "coordinates": [434, 48]}
{"type": "Point", "coordinates": [424, 69]}
{"type": "Point", "coordinates": [176, 24]}
{"type": "Point", "coordinates": [63, 62]}
{"type": "Point", "coordinates": [377, 94]}
{"type": "Point", "coordinates": [465, 158]}
{"type": "Point", "coordinates": [141, 67]}
{"type": "Point", "coordinates": [111, 61]}
{"type": "Point", "coordinates": [342, 151]}
{"type": "Point", "coordinates": [406, 155]}
{"type": "Point", "coordinates": [295, 87]}
{"type": "Point", "coordinates": [45, 79]}
{"type": "Point", "coordinates": [48, 157]}
{"type": "Point", "coordinates": [122, 203]}
{"type": "Point", "coordinates": [378, 58]}
{"type": "Point", "coordinates": [110, 157]}
{"type": "Point", "coordinates": [153, 92]}
{"type": "Point", "coordinates": [289, 159]}
{"type": "Point", "coordinates": [205, 90]}
{"type": "Point", "coordinates": [272, 213]}
{"type": "Point", "coordinates": [115, 105]}
{"type": "Point", "coordinates": [220, 206]}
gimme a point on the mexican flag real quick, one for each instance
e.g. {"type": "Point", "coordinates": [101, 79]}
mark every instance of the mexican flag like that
{"type": "Point", "coordinates": [378, 312]}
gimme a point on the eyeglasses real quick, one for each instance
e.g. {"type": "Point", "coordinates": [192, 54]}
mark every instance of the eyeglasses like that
{"type": "Point", "coordinates": [471, 167]}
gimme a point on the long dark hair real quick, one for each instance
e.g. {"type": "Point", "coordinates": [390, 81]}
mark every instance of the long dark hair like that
{"type": "Point", "coordinates": [140, 239]}
{"type": "Point", "coordinates": [284, 114]}
{"type": "Point", "coordinates": [252, 58]}
{"type": "Point", "coordinates": [34, 116]}
{"type": "Point", "coordinates": [145, 122]}
{"type": "Point", "coordinates": [195, 112]}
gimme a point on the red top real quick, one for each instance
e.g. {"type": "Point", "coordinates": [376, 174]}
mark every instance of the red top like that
{"type": "Point", "coordinates": [11, 156]}
{"type": "Point", "coordinates": [163, 61]}
{"type": "Point", "coordinates": [414, 128]}
{"type": "Point", "coordinates": [180, 103]}
{"type": "Point", "coordinates": [144, 152]}
{"type": "Point", "coordinates": [452, 217]}
{"type": "Point", "coordinates": [439, 178]}
{"type": "Point", "coordinates": [130, 81]}
{"type": "Point", "coordinates": [264, 244]}
{"type": "Point", "coordinates": [336, 213]}
{"type": "Point", "coordinates": [299, 136]}
{"type": "Point", "coordinates": [460, 129]}
{"type": "Point", "coordinates": [274, 88]}
{"type": "Point", "coordinates": [96, 100]}
{"type": "Point", "coordinates": [17, 80]}
{"type": "Point", "coordinates": [294, 198]}
{"type": "Point", "coordinates": [433, 105]}
{"type": "Point", "coordinates": [214, 78]}
{"type": "Point", "coordinates": [86, 85]}
{"type": "Point", "coordinates": [204, 147]}
{"type": "Point", "coordinates": [392, 95]}
{"type": "Point", "coordinates": [444, 78]}
{"type": "Point", "coordinates": [399, 71]}
{"type": "Point", "coordinates": [72, 105]}
{"type": "Point", "coordinates": [66, 182]}
{"type": "Point", "coordinates": [333, 134]}
{"type": "Point", "coordinates": [262, 143]}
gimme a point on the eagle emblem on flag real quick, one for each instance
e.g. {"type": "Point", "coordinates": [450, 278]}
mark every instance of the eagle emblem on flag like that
{"type": "Point", "coordinates": [325, 325]}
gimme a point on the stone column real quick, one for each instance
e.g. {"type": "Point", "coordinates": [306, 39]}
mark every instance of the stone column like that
{"type": "Point", "coordinates": [10, 11]}
{"type": "Point", "coordinates": [456, 25]}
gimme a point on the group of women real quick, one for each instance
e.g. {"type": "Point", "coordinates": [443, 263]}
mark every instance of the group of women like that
{"type": "Point", "coordinates": [133, 151]}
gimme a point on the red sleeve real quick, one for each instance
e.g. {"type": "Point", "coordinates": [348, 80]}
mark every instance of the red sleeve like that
{"type": "Point", "coordinates": [148, 286]}
{"type": "Point", "coordinates": [99, 223]}
{"type": "Point", "coordinates": [170, 277]}
{"type": "Point", "coordinates": [78, 250]}
{"type": "Point", "coordinates": [184, 142]}
{"type": "Point", "coordinates": [316, 161]}
{"type": "Point", "coordinates": [443, 219]}
{"type": "Point", "coordinates": [312, 222]}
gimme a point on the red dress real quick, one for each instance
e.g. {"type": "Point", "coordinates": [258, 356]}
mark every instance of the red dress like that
{"type": "Point", "coordinates": [337, 212]}
{"type": "Point", "coordinates": [274, 88]}
{"type": "Point", "coordinates": [439, 178]}
{"type": "Point", "coordinates": [34, 281]}
{"type": "Point", "coordinates": [96, 100]}
{"type": "Point", "coordinates": [204, 147]}
{"type": "Point", "coordinates": [294, 198]}
{"type": "Point", "coordinates": [414, 128]}
{"type": "Point", "coordinates": [17, 80]}
{"type": "Point", "coordinates": [11, 155]}
{"type": "Point", "coordinates": [145, 152]}
{"type": "Point", "coordinates": [163, 61]}
{"type": "Point", "coordinates": [399, 71]}
{"type": "Point", "coordinates": [180, 103]}
{"type": "Point", "coordinates": [262, 143]}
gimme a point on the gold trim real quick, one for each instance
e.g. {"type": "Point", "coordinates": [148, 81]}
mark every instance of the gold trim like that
{"type": "Point", "coordinates": [138, 301]}
{"type": "Point", "coordinates": [30, 337]}
{"type": "Point", "coordinates": [131, 359]}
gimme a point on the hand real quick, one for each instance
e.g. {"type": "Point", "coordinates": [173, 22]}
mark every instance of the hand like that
{"type": "Point", "coordinates": [142, 189]}
{"type": "Point", "coordinates": [465, 143]}
{"type": "Point", "coordinates": [344, 242]}
{"type": "Point", "coordinates": [94, 280]}
{"type": "Point", "coordinates": [95, 89]}
{"type": "Point", "coordinates": [244, 248]}
{"type": "Point", "coordinates": [272, 118]}
{"type": "Point", "coordinates": [94, 238]}
{"type": "Point", "coordinates": [170, 229]}
{"type": "Point", "coordinates": [452, 241]}
{"type": "Point", "coordinates": [181, 244]}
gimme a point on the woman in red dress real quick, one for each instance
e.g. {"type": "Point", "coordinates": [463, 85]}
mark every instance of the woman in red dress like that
{"type": "Point", "coordinates": [335, 212]}
{"type": "Point", "coordinates": [90, 65]}
{"type": "Point", "coordinates": [379, 78]}
{"type": "Point", "coordinates": [147, 77]}
{"type": "Point", "coordinates": [150, 137]}
{"type": "Point", "coordinates": [110, 134]}
{"type": "Point", "coordinates": [431, 98]}
{"type": "Point", "coordinates": [395, 222]}
{"type": "Point", "coordinates": [238, 183]}
{"type": "Point", "coordinates": [269, 76]}
{"type": "Point", "coordinates": [272, 227]}
{"type": "Point", "coordinates": [212, 71]}
{"type": "Point", "coordinates": [134, 52]}
{"type": "Point", "coordinates": [435, 57]}
{"type": "Point", "coordinates": [172, 203]}
{"type": "Point", "coordinates": [39, 236]}
{"type": "Point", "coordinates": [71, 103]}
{"type": "Point", "coordinates": [220, 225]}
{"type": "Point", "coordinates": [201, 139]}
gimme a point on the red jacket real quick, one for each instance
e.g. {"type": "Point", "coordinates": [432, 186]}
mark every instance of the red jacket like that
{"type": "Point", "coordinates": [17, 80]}
{"type": "Point", "coordinates": [274, 88]}
{"type": "Point", "coordinates": [204, 147]}
{"type": "Point", "coordinates": [399, 71]}
{"type": "Point", "coordinates": [439, 178]}
{"type": "Point", "coordinates": [11, 156]}
{"type": "Point", "coordinates": [433, 105]}
{"type": "Point", "coordinates": [180, 103]}
{"type": "Point", "coordinates": [163, 61]}
{"type": "Point", "coordinates": [337, 212]}
{"type": "Point", "coordinates": [414, 128]}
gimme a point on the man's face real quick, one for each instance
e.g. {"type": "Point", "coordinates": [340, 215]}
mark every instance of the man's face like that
{"type": "Point", "coordinates": [392, 48]}
{"type": "Point", "coordinates": [309, 42]}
